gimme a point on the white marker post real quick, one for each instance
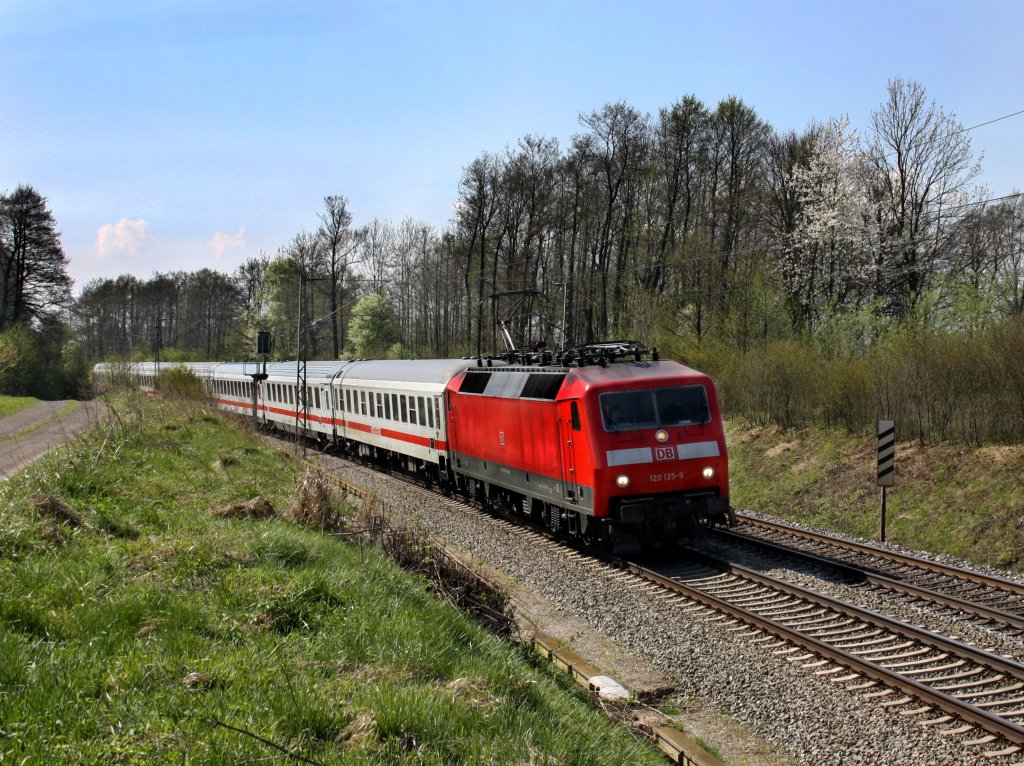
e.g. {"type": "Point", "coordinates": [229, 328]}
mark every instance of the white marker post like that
{"type": "Point", "coordinates": [886, 461]}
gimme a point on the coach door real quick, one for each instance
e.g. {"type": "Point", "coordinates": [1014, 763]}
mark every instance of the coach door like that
{"type": "Point", "coordinates": [434, 416]}
{"type": "Point", "coordinates": [570, 430]}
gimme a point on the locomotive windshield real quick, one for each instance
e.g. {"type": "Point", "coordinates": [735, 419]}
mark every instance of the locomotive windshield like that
{"type": "Point", "coordinates": [655, 408]}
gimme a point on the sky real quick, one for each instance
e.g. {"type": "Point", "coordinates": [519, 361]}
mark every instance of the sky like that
{"type": "Point", "coordinates": [184, 134]}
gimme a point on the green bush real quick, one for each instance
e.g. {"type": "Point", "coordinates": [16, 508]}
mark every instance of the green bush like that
{"type": "Point", "coordinates": [180, 383]}
{"type": "Point", "coordinates": [939, 385]}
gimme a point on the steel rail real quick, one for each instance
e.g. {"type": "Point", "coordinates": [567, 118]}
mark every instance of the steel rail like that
{"type": "Point", "coordinates": [947, 703]}
{"type": "Point", "coordinates": [907, 589]}
{"type": "Point", "coordinates": [868, 549]}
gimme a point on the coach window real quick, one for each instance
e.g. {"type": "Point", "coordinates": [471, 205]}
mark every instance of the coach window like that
{"type": "Point", "coordinates": [412, 410]}
{"type": "Point", "coordinates": [423, 415]}
{"type": "Point", "coordinates": [394, 405]}
{"type": "Point", "coordinates": [405, 411]}
{"type": "Point", "coordinates": [387, 407]}
{"type": "Point", "coordinates": [362, 402]}
{"type": "Point", "coordinates": [430, 414]}
{"type": "Point", "coordinates": [380, 406]}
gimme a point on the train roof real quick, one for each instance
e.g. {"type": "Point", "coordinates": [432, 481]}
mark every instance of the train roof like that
{"type": "Point", "coordinates": [527, 382]}
{"type": "Point", "coordinates": [408, 371]}
{"type": "Point", "coordinates": [635, 371]}
{"type": "Point", "coordinates": [438, 371]}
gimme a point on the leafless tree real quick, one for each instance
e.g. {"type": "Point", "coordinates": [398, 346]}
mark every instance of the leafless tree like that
{"type": "Point", "coordinates": [921, 167]}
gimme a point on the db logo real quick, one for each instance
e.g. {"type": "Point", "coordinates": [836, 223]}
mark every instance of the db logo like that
{"type": "Point", "coordinates": [664, 453]}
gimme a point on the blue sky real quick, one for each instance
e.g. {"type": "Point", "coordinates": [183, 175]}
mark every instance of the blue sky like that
{"type": "Point", "coordinates": [177, 135]}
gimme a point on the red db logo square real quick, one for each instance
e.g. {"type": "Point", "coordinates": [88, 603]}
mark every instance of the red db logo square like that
{"type": "Point", "coordinates": [664, 453]}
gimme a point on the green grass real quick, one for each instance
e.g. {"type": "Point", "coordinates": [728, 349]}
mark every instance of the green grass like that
{"type": "Point", "coordinates": [947, 499]}
{"type": "Point", "coordinates": [135, 626]}
{"type": "Point", "coordinates": [10, 405]}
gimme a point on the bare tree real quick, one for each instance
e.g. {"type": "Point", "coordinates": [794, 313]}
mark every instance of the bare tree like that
{"type": "Point", "coordinates": [921, 166]}
{"type": "Point", "coordinates": [477, 207]}
{"type": "Point", "coordinates": [340, 244]}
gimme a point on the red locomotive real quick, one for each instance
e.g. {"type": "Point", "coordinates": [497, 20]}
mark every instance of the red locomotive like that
{"type": "Point", "coordinates": [614, 448]}
{"type": "Point", "coordinates": [597, 442]}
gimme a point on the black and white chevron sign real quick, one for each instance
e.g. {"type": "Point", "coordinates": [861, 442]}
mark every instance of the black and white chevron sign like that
{"type": "Point", "coordinates": [886, 453]}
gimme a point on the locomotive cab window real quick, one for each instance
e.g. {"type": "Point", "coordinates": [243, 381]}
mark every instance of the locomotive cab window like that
{"type": "Point", "coordinates": [657, 408]}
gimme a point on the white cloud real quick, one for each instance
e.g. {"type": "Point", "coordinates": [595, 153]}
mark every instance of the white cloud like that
{"type": "Point", "coordinates": [222, 241]}
{"type": "Point", "coordinates": [127, 237]}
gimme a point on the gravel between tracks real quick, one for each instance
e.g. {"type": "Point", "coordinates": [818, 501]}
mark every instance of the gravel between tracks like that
{"type": "Point", "coordinates": [820, 723]}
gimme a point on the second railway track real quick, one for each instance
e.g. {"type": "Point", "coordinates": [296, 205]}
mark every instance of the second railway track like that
{"type": "Point", "coordinates": [993, 601]}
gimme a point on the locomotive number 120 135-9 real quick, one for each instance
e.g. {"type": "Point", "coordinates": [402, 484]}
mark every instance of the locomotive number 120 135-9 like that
{"type": "Point", "coordinates": [670, 476]}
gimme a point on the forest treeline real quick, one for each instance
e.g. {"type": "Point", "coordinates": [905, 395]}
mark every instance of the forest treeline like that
{"type": "Point", "coordinates": [823, 276]}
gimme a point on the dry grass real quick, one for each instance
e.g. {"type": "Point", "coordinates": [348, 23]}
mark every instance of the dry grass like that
{"type": "Point", "coordinates": [315, 503]}
{"type": "Point", "coordinates": [53, 507]}
{"type": "Point", "coordinates": [257, 508]}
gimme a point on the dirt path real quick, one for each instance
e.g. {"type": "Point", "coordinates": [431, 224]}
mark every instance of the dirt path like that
{"type": "Point", "coordinates": [27, 435]}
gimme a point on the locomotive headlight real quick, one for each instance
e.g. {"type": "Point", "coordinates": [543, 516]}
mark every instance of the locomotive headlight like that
{"type": "Point", "coordinates": [622, 481]}
{"type": "Point", "coordinates": [661, 436]}
{"type": "Point", "coordinates": [708, 473]}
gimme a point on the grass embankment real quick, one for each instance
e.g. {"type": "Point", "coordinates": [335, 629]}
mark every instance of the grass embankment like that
{"type": "Point", "coordinates": [959, 500]}
{"type": "Point", "coordinates": [136, 625]}
{"type": "Point", "coordinates": [9, 405]}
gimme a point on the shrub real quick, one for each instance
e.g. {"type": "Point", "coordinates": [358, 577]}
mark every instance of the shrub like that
{"type": "Point", "coordinates": [180, 383]}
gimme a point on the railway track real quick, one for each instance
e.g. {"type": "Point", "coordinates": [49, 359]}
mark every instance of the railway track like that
{"type": "Point", "coordinates": [942, 684]}
{"type": "Point", "coordinates": [946, 684]}
{"type": "Point", "coordinates": [888, 661]}
{"type": "Point", "coordinates": [994, 602]}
